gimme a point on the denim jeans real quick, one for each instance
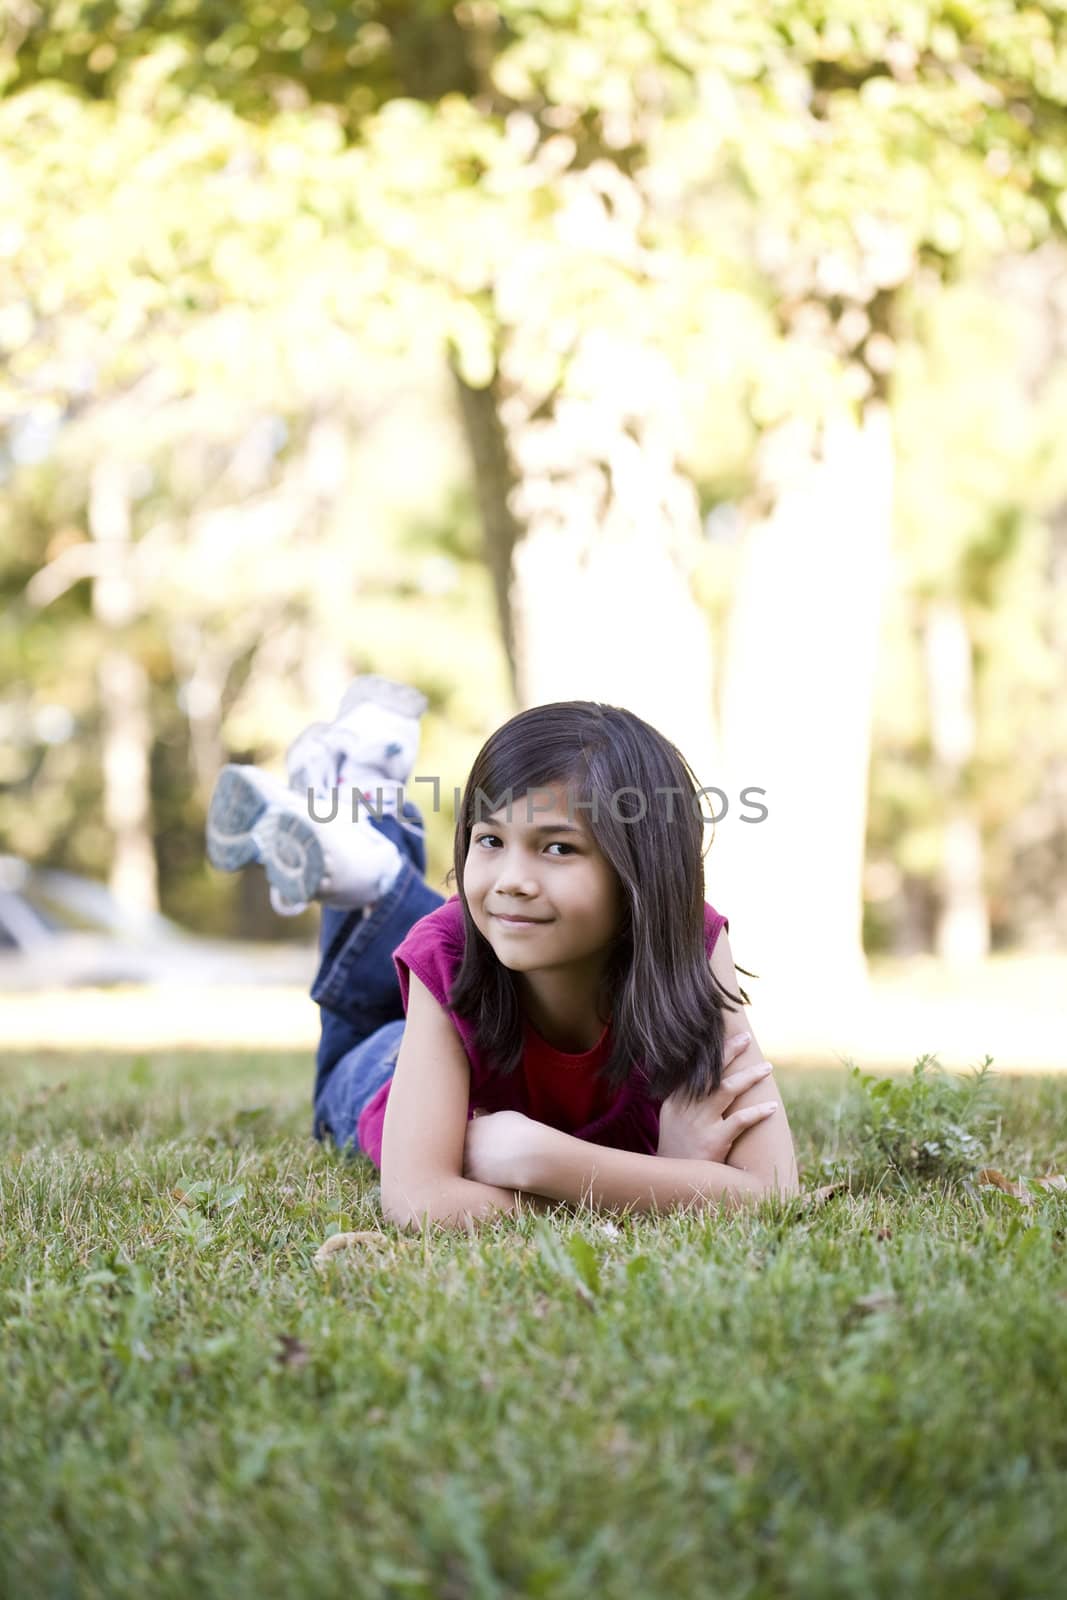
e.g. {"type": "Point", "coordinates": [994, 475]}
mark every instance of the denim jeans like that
{"type": "Point", "coordinates": [357, 989]}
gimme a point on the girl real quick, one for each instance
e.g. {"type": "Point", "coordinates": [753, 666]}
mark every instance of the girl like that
{"type": "Point", "coordinates": [560, 1026]}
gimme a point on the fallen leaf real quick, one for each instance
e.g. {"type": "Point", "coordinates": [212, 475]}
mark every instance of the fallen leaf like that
{"type": "Point", "coordinates": [817, 1197]}
{"type": "Point", "coordinates": [991, 1178]}
{"type": "Point", "coordinates": [293, 1352]}
{"type": "Point", "coordinates": [867, 1304]}
{"type": "Point", "coordinates": [347, 1241]}
{"type": "Point", "coordinates": [42, 1097]}
{"type": "Point", "coordinates": [620, 1443]}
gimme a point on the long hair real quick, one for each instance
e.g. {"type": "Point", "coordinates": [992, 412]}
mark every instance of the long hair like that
{"type": "Point", "coordinates": [640, 800]}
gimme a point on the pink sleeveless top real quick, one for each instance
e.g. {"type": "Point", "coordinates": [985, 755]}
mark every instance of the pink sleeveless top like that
{"type": "Point", "coordinates": [551, 1085]}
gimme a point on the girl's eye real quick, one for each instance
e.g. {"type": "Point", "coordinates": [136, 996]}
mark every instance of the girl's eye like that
{"type": "Point", "coordinates": [557, 844]}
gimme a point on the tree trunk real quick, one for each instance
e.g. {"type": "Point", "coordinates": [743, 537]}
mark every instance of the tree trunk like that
{"type": "Point", "coordinates": [202, 670]}
{"type": "Point", "coordinates": [797, 708]}
{"type": "Point", "coordinates": [124, 710]}
{"type": "Point", "coordinates": [494, 481]}
{"type": "Point", "coordinates": [591, 530]}
{"type": "Point", "coordinates": [963, 916]}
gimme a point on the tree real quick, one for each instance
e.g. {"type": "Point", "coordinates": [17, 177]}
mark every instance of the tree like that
{"type": "Point", "coordinates": [544, 181]}
{"type": "Point", "coordinates": [183, 460]}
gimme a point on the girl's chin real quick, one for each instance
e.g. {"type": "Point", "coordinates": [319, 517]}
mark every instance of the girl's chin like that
{"type": "Point", "coordinates": [513, 953]}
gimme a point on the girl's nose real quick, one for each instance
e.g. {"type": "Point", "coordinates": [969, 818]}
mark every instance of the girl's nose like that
{"type": "Point", "coordinates": [512, 879]}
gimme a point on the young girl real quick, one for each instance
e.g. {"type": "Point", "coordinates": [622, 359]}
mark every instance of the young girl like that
{"type": "Point", "coordinates": [560, 1026]}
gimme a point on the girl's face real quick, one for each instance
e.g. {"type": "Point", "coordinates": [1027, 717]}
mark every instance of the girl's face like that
{"type": "Point", "coordinates": [546, 868]}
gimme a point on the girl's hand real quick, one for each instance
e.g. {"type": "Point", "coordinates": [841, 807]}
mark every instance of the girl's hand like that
{"type": "Point", "coordinates": [701, 1129]}
{"type": "Point", "coordinates": [497, 1148]}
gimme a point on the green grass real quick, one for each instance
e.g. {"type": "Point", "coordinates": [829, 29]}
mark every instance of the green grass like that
{"type": "Point", "coordinates": [867, 1399]}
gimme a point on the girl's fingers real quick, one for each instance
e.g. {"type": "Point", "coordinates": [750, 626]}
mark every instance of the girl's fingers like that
{"type": "Point", "coordinates": [750, 1114]}
{"type": "Point", "coordinates": [734, 1045]}
{"type": "Point", "coordinates": [740, 1081]}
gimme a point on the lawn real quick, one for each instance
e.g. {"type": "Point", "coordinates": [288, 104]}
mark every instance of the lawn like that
{"type": "Point", "coordinates": [863, 1399]}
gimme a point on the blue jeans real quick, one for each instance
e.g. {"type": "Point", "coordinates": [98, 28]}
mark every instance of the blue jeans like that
{"type": "Point", "coordinates": [357, 989]}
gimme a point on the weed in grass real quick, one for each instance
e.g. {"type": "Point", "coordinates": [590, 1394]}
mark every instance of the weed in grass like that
{"type": "Point", "coordinates": [933, 1127]}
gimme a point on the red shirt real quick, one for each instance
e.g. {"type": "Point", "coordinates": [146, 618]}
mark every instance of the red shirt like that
{"type": "Point", "coordinates": [565, 1090]}
{"type": "Point", "coordinates": [626, 1120]}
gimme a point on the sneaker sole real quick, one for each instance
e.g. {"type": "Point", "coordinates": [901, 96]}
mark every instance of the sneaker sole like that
{"type": "Point", "coordinates": [296, 865]}
{"type": "Point", "coordinates": [236, 806]}
{"type": "Point", "coordinates": [402, 698]}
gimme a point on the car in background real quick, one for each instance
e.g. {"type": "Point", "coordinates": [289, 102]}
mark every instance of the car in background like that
{"type": "Point", "coordinates": [58, 930]}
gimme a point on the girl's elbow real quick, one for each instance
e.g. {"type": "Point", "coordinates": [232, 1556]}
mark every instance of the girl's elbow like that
{"type": "Point", "coordinates": [409, 1218]}
{"type": "Point", "coordinates": [785, 1188]}
{"type": "Point", "coordinates": [400, 1216]}
{"type": "Point", "coordinates": [411, 1210]}
{"type": "Point", "coordinates": [401, 1207]}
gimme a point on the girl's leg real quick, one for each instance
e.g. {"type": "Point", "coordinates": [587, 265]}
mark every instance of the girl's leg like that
{"type": "Point", "coordinates": [356, 985]}
{"type": "Point", "coordinates": [354, 1081]}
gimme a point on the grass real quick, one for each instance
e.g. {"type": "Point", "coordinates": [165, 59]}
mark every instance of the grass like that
{"type": "Point", "coordinates": [861, 1400]}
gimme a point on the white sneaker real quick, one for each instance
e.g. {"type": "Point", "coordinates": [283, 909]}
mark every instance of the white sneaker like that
{"type": "Point", "coordinates": [338, 863]}
{"type": "Point", "coordinates": [255, 817]}
{"type": "Point", "coordinates": [241, 796]}
{"type": "Point", "coordinates": [370, 745]}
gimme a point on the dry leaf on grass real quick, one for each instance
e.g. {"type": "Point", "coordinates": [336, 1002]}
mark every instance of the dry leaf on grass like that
{"type": "Point", "coordinates": [878, 1300]}
{"type": "Point", "coordinates": [817, 1197]}
{"type": "Point", "coordinates": [348, 1241]}
{"type": "Point", "coordinates": [42, 1097]}
{"type": "Point", "coordinates": [989, 1177]}
{"type": "Point", "coordinates": [293, 1352]}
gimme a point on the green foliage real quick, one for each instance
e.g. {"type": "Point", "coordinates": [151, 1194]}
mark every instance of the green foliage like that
{"type": "Point", "coordinates": [237, 214]}
{"type": "Point", "coordinates": [272, 502]}
{"type": "Point", "coordinates": [931, 1127]}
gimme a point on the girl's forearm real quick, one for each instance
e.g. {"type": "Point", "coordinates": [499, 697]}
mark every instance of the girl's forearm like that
{"type": "Point", "coordinates": [562, 1167]}
{"type": "Point", "coordinates": [461, 1202]}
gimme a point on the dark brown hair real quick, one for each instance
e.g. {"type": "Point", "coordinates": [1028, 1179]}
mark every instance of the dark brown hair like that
{"type": "Point", "coordinates": [665, 1003]}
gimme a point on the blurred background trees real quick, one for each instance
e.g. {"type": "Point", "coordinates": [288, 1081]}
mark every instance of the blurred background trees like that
{"type": "Point", "coordinates": [707, 360]}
